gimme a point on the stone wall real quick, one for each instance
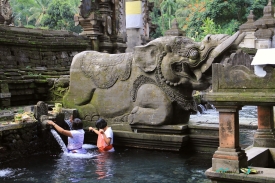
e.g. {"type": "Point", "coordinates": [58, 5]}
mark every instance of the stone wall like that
{"type": "Point", "coordinates": [24, 139]}
{"type": "Point", "coordinates": [31, 60]}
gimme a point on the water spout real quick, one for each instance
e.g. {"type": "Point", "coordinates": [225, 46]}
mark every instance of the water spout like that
{"type": "Point", "coordinates": [59, 141]}
{"type": "Point", "coordinates": [201, 109]}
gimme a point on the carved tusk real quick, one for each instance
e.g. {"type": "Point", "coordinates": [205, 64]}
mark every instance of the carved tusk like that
{"type": "Point", "coordinates": [218, 50]}
{"type": "Point", "coordinates": [238, 40]}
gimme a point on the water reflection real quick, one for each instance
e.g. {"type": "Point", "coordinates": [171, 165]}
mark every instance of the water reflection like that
{"type": "Point", "coordinates": [104, 165]}
{"type": "Point", "coordinates": [124, 165]}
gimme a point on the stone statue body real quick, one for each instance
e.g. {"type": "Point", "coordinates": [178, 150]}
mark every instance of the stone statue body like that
{"type": "Point", "coordinates": [151, 86]}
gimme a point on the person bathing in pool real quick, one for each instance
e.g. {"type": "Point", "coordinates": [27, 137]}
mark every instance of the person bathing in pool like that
{"type": "Point", "coordinates": [75, 136]}
{"type": "Point", "coordinates": [105, 136]}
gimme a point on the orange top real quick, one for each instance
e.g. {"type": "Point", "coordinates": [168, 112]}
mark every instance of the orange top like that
{"type": "Point", "coordinates": [102, 146]}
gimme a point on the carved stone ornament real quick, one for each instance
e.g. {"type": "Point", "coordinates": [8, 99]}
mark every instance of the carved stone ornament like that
{"type": "Point", "coordinates": [141, 80]}
{"type": "Point", "coordinates": [116, 66]}
{"type": "Point", "coordinates": [175, 30]}
{"type": "Point", "coordinates": [5, 13]}
{"type": "Point", "coordinates": [249, 25]}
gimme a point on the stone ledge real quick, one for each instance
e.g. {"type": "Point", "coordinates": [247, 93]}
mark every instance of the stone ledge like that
{"type": "Point", "coordinates": [146, 141]}
{"type": "Point", "coordinates": [165, 129]}
{"type": "Point", "coordinates": [267, 175]}
{"type": "Point", "coordinates": [12, 125]}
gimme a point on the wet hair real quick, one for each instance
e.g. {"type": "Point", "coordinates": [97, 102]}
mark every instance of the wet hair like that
{"type": "Point", "coordinates": [77, 124]}
{"type": "Point", "coordinates": [100, 123]}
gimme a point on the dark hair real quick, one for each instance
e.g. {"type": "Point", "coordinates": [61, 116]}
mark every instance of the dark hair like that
{"type": "Point", "coordinates": [101, 123]}
{"type": "Point", "coordinates": [77, 124]}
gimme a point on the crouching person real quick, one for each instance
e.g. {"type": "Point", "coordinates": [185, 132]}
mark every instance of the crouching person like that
{"type": "Point", "coordinates": [105, 136]}
{"type": "Point", "coordinates": [75, 136]}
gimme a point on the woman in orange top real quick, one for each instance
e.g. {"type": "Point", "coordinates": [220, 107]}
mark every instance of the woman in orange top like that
{"type": "Point", "coordinates": [105, 136]}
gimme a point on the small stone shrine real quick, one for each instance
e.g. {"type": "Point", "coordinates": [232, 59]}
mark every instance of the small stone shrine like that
{"type": "Point", "coordinates": [260, 33]}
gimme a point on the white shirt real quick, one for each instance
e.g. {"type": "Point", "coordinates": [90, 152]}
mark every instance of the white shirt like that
{"type": "Point", "coordinates": [77, 140]}
{"type": "Point", "coordinates": [109, 134]}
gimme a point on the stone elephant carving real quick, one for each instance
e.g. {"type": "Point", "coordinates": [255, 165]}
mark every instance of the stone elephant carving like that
{"type": "Point", "coordinates": [151, 86]}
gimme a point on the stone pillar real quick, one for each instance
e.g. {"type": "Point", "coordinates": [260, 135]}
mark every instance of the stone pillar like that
{"type": "Point", "coordinates": [264, 136]}
{"type": "Point", "coordinates": [139, 33]}
{"type": "Point", "coordinates": [229, 154]}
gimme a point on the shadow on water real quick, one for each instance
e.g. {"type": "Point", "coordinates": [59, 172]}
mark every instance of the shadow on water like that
{"type": "Point", "coordinates": [124, 165]}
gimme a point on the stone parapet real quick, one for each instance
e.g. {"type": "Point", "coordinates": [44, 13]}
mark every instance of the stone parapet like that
{"type": "Point", "coordinates": [35, 63]}
{"type": "Point", "coordinates": [21, 140]}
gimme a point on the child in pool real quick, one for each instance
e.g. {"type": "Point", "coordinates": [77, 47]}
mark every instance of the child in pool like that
{"type": "Point", "coordinates": [75, 136]}
{"type": "Point", "coordinates": [105, 136]}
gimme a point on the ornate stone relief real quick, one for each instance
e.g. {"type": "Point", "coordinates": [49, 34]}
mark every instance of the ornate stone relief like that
{"type": "Point", "coordinates": [116, 66]}
{"type": "Point", "coordinates": [103, 21]}
{"type": "Point", "coordinates": [6, 17]}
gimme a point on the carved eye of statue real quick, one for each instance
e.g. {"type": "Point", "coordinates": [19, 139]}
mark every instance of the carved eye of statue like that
{"type": "Point", "coordinates": [193, 54]}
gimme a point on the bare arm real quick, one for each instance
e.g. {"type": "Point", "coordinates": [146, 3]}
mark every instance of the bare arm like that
{"type": "Point", "coordinates": [107, 140]}
{"type": "Point", "coordinates": [94, 130]}
{"type": "Point", "coordinates": [60, 130]}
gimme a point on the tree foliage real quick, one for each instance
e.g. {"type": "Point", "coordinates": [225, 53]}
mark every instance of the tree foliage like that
{"type": "Point", "coordinates": [195, 17]}
{"type": "Point", "coordinates": [36, 13]}
{"type": "Point", "coordinates": [168, 8]}
{"type": "Point", "coordinates": [198, 17]}
{"type": "Point", "coordinates": [60, 16]}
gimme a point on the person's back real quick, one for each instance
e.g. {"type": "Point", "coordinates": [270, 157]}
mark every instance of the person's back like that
{"type": "Point", "coordinates": [77, 140]}
{"type": "Point", "coordinates": [75, 136]}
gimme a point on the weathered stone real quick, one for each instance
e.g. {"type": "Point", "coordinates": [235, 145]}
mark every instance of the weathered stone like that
{"type": "Point", "coordinates": [175, 30]}
{"type": "Point", "coordinates": [69, 112]}
{"type": "Point", "coordinates": [148, 85]}
{"type": "Point", "coordinates": [40, 109]}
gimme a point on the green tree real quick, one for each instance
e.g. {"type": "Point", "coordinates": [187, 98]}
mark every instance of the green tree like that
{"type": "Point", "coordinates": [21, 11]}
{"type": "Point", "coordinates": [60, 16]}
{"type": "Point", "coordinates": [38, 11]}
{"type": "Point", "coordinates": [223, 12]}
{"type": "Point", "coordinates": [225, 16]}
{"type": "Point", "coordinates": [258, 6]}
{"type": "Point", "coordinates": [74, 4]}
{"type": "Point", "coordinates": [154, 15]}
{"type": "Point", "coordinates": [208, 27]}
{"type": "Point", "coordinates": [168, 8]}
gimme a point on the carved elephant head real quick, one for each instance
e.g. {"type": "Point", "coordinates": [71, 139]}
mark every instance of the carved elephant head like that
{"type": "Point", "coordinates": [179, 61]}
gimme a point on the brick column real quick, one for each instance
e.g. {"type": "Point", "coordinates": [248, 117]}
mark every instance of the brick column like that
{"type": "Point", "coordinates": [264, 136]}
{"type": "Point", "coordinates": [229, 155]}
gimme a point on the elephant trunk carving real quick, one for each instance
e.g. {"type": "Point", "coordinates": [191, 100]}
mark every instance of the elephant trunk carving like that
{"type": "Point", "coordinates": [151, 86]}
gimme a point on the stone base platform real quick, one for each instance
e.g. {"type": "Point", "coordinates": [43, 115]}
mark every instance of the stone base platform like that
{"type": "Point", "coordinates": [259, 158]}
{"type": "Point", "coordinates": [168, 137]}
{"type": "Point", "coordinates": [200, 134]}
{"type": "Point", "coordinates": [266, 175]}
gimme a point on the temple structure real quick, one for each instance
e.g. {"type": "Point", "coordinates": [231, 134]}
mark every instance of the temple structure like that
{"type": "Point", "coordinates": [104, 22]}
{"type": "Point", "coordinates": [6, 17]}
{"type": "Point", "coordinates": [260, 33]}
